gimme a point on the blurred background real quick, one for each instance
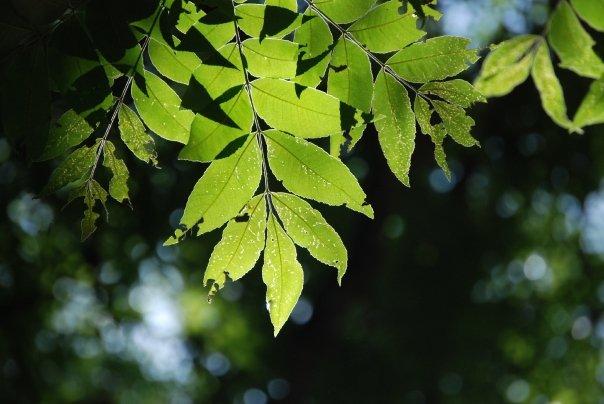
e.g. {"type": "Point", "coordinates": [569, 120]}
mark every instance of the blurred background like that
{"type": "Point", "coordinates": [485, 289]}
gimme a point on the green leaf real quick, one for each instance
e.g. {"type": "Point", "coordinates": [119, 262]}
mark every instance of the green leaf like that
{"type": "Point", "coordinates": [591, 110]}
{"type": "Point", "coordinates": [457, 91]}
{"type": "Point", "coordinates": [251, 20]}
{"type": "Point", "coordinates": [240, 246]}
{"type": "Point", "coordinates": [175, 65]}
{"type": "Point", "coordinates": [221, 192]}
{"type": "Point", "coordinates": [271, 57]}
{"type": "Point", "coordinates": [92, 192]}
{"type": "Point", "coordinates": [457, 123]}
{"type": "Point", "coordinates": [302, 111]}
{"type": "Point", "coordinates": [208, 137]}
{"type": "Point", "coordinates": [118, 184]}
{"type": "Point", "coordinates": [343, 11]}
{"type": "Point", "coordinates": [71, 130]}
{"type": "Point", "coordinates": [281, 273]}
{"type": "Point", "coordinates": [135, 137]}
{"type": "Point", "coordinates": [384, 29]}
{"type": "Point", "coordinates": [73, 171]}
{"type": "Point", "coordinates": [309, 230]}
{"type": "Point", "coordinates": [437, 133]}
{"type": "Point", "coordinates": [308, 171]}
{"type": "Point", "coordinates": [572, 43]}
{"type": "Point", "coordinates": [434, 59]}
{"type": "Point", "coordinates": [396, 131]}
{"type": "Point", "coordinates": [550, 90]}
{"type": "Point", "coordinates": [218, 79]}
{"type": "Point", "coordinates": [288, 4]}
{"type": "Point", "coordinates": [350, 78]}
{"type": "Point", "coordinates": [160, 109]}
{"type": "Point", "coordinates": [591, 11]}
{"type": "Point", "coordinates": [315, 40]}
{"type": "Point", "coordinates": [508, 65]}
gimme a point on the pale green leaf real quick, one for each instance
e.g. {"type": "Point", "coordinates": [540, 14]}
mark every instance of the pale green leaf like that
{"type": "Point", "coordinates": [218, 79]}
{"type": "Point", "coordinates": [209, 137]}
{"type": "Point", "coordinates": [550, 90]}
{"type": "Point", "coordinates": [118, 184]}
{"type": "Point", "coordinates": [271, 57]}
{"type": "Point", "coordinates": [135, 137]}
{"type": "Point", "coordinates": [384, 30]}
{"type": "Point", "coordinates": [221, 192]}
{"type": "Point", "coordinates": [315, 41]}
{"type": "Point", "coordinates": [160, 109]}
{"type": "Point", "coordinates": [343, 11]}
{"type": "Point", "coordinates": [591, 110]}
{"type": "Point", "coordinates": [310, 114]}
{"type": "Point", "coordinates": [307, 170]}
{"type": "Point", "coordinates": [572, 43]}
{"type": "Point", "coordinates": [70, 130]}
{"type": "Point", "coordinates": [175, 65]}
{"type": "Point", "coordinates": [240, 246]}
{"type": "Point", "coordinates": [591, 11]}
{"type": "Point", "coordinates": [189, 17]}
{"type": "Point", "coordinates": [73, 171]}
{"type": "Point", "coordinates": [216, 34]}
{"type": "Point", "coordinates": [350, 78]}
{"type": "Point", "coordinates": [281, 273]}
{"type": "Point", "coordinates": [396, 131]}
{"type": "Point", "coordinates": [437, 133]}
{"type": "Point", "coordinates": [288, 4]}
{"type": "Point", "coordinates": [308, 229]}
{"type": "Point", "coordinates": [456, 91]}
{"type": "Point", "coordinates": [251, 20]}
{"type": "Point", "coordinates": [457, 123]}
{"type": "Point", "coordinates": [434, 59]}
{"type": "Point", "coordinates": [508, 65]}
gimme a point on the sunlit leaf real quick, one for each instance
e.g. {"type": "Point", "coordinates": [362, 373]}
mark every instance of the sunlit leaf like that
{"type": "Point", "coordinates": [308, 229]}
{"type": "Point", "coordinates": [308, 171]}
{"type": "Point", "coordinates": [302, 111]}
{"type": "Point", "coordinates": [384, 29]}
{"type": "Point", "coordinates": [251, 20]}
{"type": "Point", "coordinates": [434, 59]}
{"type": "Point", "coordinates": [572, 43]}
{"type": "Point", "coordinates": [456, 91]}
{"type": "Point", "coordinates": [240, 246]}
{"type": "Point", "coordinates": [275, 58]}
{"type": "Point", "coordinates": [350, 78]}
{"type": "Point", "coordinates": [550, 90]}
{"type": "Point", "coordinates": [457, 123]}
{"type": "Point", "coordinates": [591, 11]}
{"type": "Point", "coordinates": [135, 137]}
{"type": "Point", "coordinates": [221, 192]}
{"type": "Point", "coordinates": [343, 11]}
{"type": "Point", "coordinates": [73, 171]}
{"type": "Point", "coordinates": [591, 110]}
{"type": "Point", "coordinates": [70, 130]}
{"type": "Point", "coordinates": [315, 41]}
{"type": "Point", "coordinates": [160, 109]}
{"type": "Point", "coordinates": [281, 273]}
{"type": "Point", "coordinates": [396, 131]}
{"type": "Point", "coordinates": [437, 133]}
{"type": "Point", "coordinates": [175, 65]}
{"type": "Point", "coordinates": [118, 184]}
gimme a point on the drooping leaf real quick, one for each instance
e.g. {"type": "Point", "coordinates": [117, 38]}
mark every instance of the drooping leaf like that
{"type": "Point", "coordinates": [437, 133]}
{"type": "Point", "coordinates": [591, 110]}
{"type": "Point", "coordinates": [240, 246]}
{"type": "Point", "coordinates": [457, 91]}
{"type": "Point", "coordinates": [118, 184]}
{"type": "Point", "coordinates": [350, 78]}
{"type": "Point", "coordinates": [70, 130]}
{"type": "Point", "coordinates": [308, 171]}
{"type": "Point", "coordinates": [281, 273]}
{"type": "Point", "coordinates": [343, 11]}
{"type": "Point", "coordinates": [307, 228]}
{"type": "Point", "coordinates": [309, 113]}
{"type": "Point", "coordinates": [160, 109]}
{"type": "Point", "coordinates": [550, 90]}
{"type": "Point", "coordinates": [92, 192]}
{"type": "Point", "coordinates": [457, 123]}
{"type": "Point", "coordinates": [315, 41]}
{"type": "Point", "coordinates": [132, 132]}
{"type": "Point", "coordinates": [270, 57]}
{"type": "Point", "coordinates": [221, 192]}
{"type": "Point", "coordinates": [591, 11]}
{"type": "Point", "coordinates": [572, 43]}
{"type": "Point", "coordinates": [73, 171]}
{"type": "Point", "coordinates": [209, 137]}
{"type": "Point", "coordinates": [396, 131]}
{"type": "Point", "coordinates": [384, 29]}
{"type": "Point", "coordinates": [434, 59]}
{"type": "Point", "coordinates": [508, 65]}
